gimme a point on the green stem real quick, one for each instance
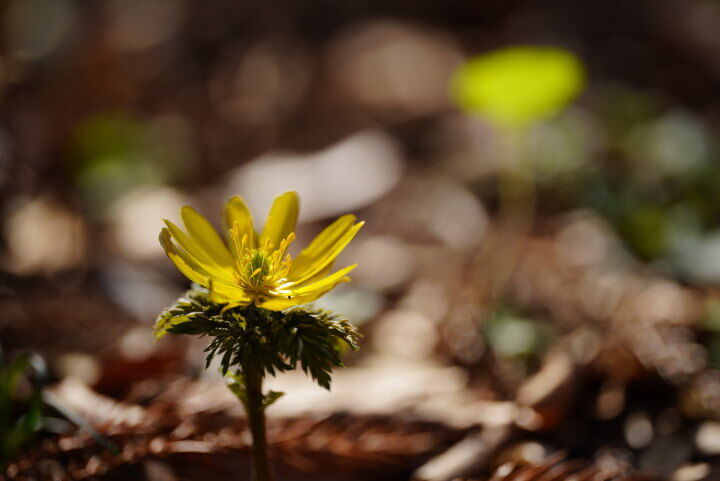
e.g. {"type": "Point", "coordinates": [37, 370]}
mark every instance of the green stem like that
{"type": "Point", "coordinates": [256, 419]}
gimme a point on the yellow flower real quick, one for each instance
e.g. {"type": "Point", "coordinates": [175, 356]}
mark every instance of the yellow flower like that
{"type": "Point", "coordinates": [250, 268]}
{"type": "Point", "coordinates": [518, 86]}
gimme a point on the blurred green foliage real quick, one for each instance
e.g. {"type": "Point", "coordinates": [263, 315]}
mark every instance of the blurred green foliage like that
{"type": "Point", "coordinates": [658, 186]}
{"type": "Point", "coordinates": [518, 86]}
{"type": "Point", "coordinates": [650, 170]}
{"type": "Point", "coordinates": [20, 412]}
{"type": "Point", "coordinates": [710, 324]}
{"type": "Point", "coordinates": [561, 150]}
{"type": "Point", "coordinates": [513, 336]}
{"type": "Point", "coordinates": [114, 153]}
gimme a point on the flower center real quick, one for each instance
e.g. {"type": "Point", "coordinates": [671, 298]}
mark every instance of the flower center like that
{"type": "Point", "coordinates": [263, 269]}
{"type": "Point", "coordinates": [256, 269]}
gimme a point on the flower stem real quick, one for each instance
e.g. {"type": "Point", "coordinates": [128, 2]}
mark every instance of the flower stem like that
{"type": "Point", "coordinates": [256, 419]}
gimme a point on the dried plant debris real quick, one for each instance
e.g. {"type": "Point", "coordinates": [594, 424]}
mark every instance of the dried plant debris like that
{"type": "Point", "coordinates": [341, 444]}
{"type": "Point", "coordinates": [628, 323]}
{"type": "Point", "coordinates": [355, 446]}
{"type": "Point", "coordinates": [646, 314]}
{"type": "Point", "coordinates": [558, 468]}
{"type": "Point", "coordinates": [529, 460]}
{"type": "Point", "coordinates": [68, 314]}
{"type": "Point", "coordinates": [470, 455]}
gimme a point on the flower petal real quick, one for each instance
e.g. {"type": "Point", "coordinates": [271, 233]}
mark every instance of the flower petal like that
{"type": "Point", "coordinates": [202, 232]}
{"type": "Point", "coordinates": [326, 238]}
{"type": "Point", "coordinates": [325, 256]}
{"type": "Point", "coordinates": [222, 293]}
{"type": "Point", "coordinates": [281, 220]}
{"type": "Point", "coordinates": [281, 303]}
{"type": "Point", "coordinates": [324, 272]}
{"type": "Point", "coordinates": [183, 261]}
{"type": "Point", "coordinates": [308, 293]}
{"type": "Point", "coordinates": [237, 212]}
{"type": "Point", "coordinates": [197, 253]}
{"type": "Point", "coordinates": [332, 279]}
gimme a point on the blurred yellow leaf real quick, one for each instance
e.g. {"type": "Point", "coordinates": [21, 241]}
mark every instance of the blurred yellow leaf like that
{"type": "Point", "coordinates": [517, 86]}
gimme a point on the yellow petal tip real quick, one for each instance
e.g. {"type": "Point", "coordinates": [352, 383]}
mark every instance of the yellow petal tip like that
{"type": "Point", "coordinates": [187, 209]}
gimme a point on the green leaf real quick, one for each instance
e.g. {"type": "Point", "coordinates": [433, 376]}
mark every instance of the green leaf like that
{"type": "Point", "coordinates": [236, 384]}
{"type": "Point", "coordinates": [20, 419]}
{"type": "Point", "coordinates": [271, 397]}
{"type": "Point", "coordinates": [195, 305]}
{"type": "Point", "coordinates": [195, 324]}
{"type": "Point", "coordinates": [311, 337]}
{"type": "Point", "coordinates": [258, 341]}
{"type": "Point", "coordinates": [9, 379]}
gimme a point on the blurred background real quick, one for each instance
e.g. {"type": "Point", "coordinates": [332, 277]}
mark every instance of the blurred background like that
{"type": "Point", "coordinates": [538, 274]}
